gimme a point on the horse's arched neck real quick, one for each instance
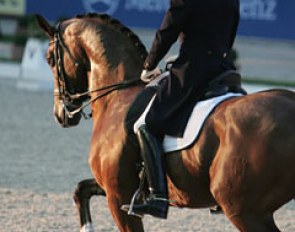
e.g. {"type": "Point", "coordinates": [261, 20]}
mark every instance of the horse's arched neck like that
{"type": "Point", "coordinates": [108, 49]}
{"type": "Point", "coordinates": [118, 100]}
{"type": "Point", "coordinates": [109, 65]}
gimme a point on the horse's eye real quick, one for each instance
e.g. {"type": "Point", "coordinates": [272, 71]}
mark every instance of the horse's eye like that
{"type": "Point", "coordinates": [50, 59]}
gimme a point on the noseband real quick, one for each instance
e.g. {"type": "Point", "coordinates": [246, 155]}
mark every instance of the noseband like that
{"type": "Point", "coordinates": [65, 92]}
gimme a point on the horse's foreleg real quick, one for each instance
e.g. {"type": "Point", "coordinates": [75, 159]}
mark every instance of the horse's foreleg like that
{"type": "Point", "coordinates": [255, 223]}
{"type": "Point", "coordinates": [84, 191]}
{"type": "Point", "coordinates": [125, 222]}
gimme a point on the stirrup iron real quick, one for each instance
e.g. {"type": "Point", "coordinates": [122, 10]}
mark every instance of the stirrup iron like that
{"type": "Point", "coordinates": [137, 193]}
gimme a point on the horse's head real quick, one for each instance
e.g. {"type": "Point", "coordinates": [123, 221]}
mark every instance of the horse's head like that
{"type": "Point", "coordinates": [88, 54]}
{"type": "Point", "coordinates": [70, 73]}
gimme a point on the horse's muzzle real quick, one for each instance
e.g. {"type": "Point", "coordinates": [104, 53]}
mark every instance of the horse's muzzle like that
{"type": "Point", "coordinates": [64, 118]}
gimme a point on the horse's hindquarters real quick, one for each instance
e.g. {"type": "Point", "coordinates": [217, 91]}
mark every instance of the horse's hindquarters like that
{"type": "Point", "coordinates": [253, 170]}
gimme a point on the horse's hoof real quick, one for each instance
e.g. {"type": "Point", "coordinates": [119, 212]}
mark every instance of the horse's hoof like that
{"type": "Point", "coordinates": [87, 228]}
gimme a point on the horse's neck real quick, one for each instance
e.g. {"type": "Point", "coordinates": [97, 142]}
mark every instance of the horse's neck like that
{"type": "Point", "coordinates": [112, 61]}
{"type": "Point", "coordinates": [108, 53]}
{"type": "Point", "coordinates": [109, 112]}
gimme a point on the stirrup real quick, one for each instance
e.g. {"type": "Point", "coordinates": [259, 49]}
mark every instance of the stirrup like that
{"type": "Point", "coordinates": [161, 212]}
{"type": "Point", "coordinates": [216, 210]}
{"type": "Point", "coordinates": [130, 208]}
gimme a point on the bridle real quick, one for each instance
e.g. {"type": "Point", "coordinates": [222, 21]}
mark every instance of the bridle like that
{"type": "Point", "coordinates": [65, 92]}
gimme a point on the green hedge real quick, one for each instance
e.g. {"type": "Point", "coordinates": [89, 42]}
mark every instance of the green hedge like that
{"type": "Point", "coordinates": [15, 39]}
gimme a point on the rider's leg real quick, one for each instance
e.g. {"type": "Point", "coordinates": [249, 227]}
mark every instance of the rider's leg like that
{"type": "Point", "coordinates": [152, 155]}
{"type": "Point", "coordinates": [149, 124]}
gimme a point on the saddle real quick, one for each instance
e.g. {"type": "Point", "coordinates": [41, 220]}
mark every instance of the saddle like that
{"type": "Point", "coordinates": [227, 82]}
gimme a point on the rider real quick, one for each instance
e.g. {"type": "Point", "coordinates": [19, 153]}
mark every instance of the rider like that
{"type": "Point", "coordinates": [208, 30]}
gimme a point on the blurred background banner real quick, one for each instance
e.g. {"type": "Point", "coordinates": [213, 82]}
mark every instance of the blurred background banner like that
{"type": "Point", "coordinates": [264, 46]}
{"type": "Point", "coordinates": [259, 18]}
{"type": "Point", "coordinates": [13, 7]}
{"type": "Point", "coordinates": [267, 18]}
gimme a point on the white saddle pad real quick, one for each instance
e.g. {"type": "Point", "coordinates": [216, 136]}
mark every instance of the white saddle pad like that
{"type": "Point", "coordinates": [201, 111]}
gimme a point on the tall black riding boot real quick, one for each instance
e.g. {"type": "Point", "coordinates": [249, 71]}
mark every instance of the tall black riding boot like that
{"type": "Point", "coordinates": [152, 155]}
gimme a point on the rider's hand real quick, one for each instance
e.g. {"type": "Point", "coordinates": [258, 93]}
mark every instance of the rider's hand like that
{"type": "Point", "coordinates": [147, 76]}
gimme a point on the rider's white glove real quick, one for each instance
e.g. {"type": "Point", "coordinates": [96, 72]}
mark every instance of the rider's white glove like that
{"type": "Point", "coordinates": [147, 76]}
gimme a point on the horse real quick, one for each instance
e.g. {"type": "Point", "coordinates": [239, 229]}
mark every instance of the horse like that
{"type": "Point", "coordinates": [242, 161]}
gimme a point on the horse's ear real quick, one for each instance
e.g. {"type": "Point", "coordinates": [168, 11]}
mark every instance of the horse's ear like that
{"type": "Point", "coordinates": [45, 26]}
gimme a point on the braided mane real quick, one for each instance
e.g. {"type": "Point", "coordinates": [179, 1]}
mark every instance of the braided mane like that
{"type": "Point", "coordinates": [116, 24]}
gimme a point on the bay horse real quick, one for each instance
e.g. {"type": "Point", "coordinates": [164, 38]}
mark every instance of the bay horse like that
{"type": "Point", "coordinates": [243, 160]}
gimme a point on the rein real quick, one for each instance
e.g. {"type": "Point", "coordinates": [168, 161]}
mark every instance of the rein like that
{"type": "Point", "coordinates": [65, 96]}
{"type": "Point", "coordinates": [109, 89]}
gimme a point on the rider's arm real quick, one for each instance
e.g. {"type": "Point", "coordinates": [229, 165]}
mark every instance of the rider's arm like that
{"type": "Point", "coordinates": [172, 25]}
